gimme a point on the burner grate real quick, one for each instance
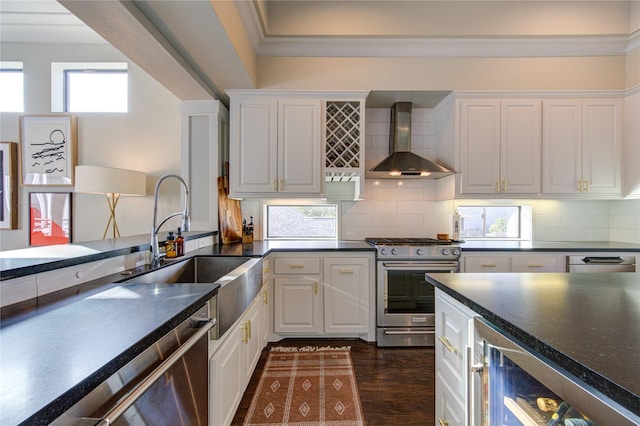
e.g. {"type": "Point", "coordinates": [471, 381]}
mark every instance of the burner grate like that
{"type": "Point", "coordinates": [407, 241]}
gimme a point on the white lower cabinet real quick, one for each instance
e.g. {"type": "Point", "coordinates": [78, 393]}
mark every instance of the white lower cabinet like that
{"type": "Point", "coordinates": [454, 346]}
{"type": "Point", "coordinates": [346, 295]}
{"type": "Point", "coordinates": [233, 362]}
{"type": "Point", "coordinates": [297, 305]}
{"type": "Point", "coordinates": [320, 295]}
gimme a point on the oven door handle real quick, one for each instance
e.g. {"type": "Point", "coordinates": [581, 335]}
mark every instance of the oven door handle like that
{"type": "Point", "coordinates": [405, 332]}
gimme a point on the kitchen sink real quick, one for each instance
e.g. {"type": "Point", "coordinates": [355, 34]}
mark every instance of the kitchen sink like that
{"type": "Point", "coordinates": [193, 270]}
{"type": "Point", "coordinates": [240, 279]}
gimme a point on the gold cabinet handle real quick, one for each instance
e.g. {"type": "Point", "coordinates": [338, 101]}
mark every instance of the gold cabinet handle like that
{"type": "Point", "coordinates": [248, 329]}
{"type": "Point", "coordinates": [346, 271]}
{"type": "Point", "coordinates": [504, 185]}
{"type": "Point", "coordinates": [586, 185]}
{"type": "Point", "coordinates": [580, 185]}
{"type": "Point", "coordinates": [448, 345]}
{"type": "Point", "coordinates": [536, 265]}
{"type": "Point", "coordinates": [315, 287]}
{"type": "Point", "coordinates": [245, 334]}
{"type": "Point", "coordinates": [274, 185]}
{"type": "Point", "coordinates": [488, 265]}
{"type": "Point", "coordinates": [281, 186]}
{"type": "Point", "coordinates": [443, 422]}
{"type": "Point", "coordinates": [296, 266]}
{"type": "Point", "coordinates": [267, 270]}
{"type": "Point", "coordinates": [498, 185]}
{"type": "Point", "coordinates": [265, 297]}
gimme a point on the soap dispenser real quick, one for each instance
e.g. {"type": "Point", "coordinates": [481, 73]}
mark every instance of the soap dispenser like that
{"type": "Point", "coordinates": [179, 243]}
{"type": "Point", "coordinates": [170, 246]}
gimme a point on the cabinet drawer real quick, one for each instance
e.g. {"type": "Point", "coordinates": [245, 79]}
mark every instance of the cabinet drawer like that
{"type": "Point", "coordinates": [486, 264]}
{"type": "Point", "coordinates": [536, 264]}
{"type": "Point", "coordinates": [297, 265]}
{"type": "Point", "coordinates": [17, 290]}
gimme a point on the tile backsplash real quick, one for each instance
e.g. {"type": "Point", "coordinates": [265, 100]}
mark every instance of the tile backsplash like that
{"type": "Point", "coordinates": [408, 208]}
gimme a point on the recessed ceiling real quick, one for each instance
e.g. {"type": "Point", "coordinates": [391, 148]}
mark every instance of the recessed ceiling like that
{"type": "Point", "coordinates": [42, 21]}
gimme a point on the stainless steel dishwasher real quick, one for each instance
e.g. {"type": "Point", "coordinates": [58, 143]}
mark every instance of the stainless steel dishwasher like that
{"type": "Point", "coordinates": [624, 263]}
{"type": "Point", "coordinates": [166, 385]}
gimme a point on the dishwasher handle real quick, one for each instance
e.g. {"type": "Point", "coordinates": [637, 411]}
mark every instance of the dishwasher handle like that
{"type": "Point", "coordinates": [602, 260]}
{"type": "Point", "coordinates": [148, 381]}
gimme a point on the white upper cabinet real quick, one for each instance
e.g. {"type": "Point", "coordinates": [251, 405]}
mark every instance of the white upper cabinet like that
{"type": "Point", "coordinates": [581, 147]}
{"type": "Point", "coordinates": [275, 146]}
{"type": "Point", "coordinates": [500, 146]}
{"type": "Point", "coordinates": [299, 146]}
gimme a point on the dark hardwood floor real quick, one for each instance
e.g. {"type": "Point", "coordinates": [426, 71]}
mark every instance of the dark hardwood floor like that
{"type": "Point", "coordinates": [397, 385]}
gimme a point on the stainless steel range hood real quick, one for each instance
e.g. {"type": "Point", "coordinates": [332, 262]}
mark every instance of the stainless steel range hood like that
{"type": "Point", "coordinates": [402, 163]}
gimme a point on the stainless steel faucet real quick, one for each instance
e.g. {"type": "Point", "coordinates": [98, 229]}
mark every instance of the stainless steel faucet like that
{"type": "Point", "coordinates": [155, 249]}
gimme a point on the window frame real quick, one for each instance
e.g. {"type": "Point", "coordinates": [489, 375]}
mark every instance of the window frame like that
{"type": "Point", "coordinates": [66, 85]}
{"type": "Point", "coordinates": [59, 83]}
{"type": "Point", "coordinates": [14, 67]}
{"type": "Point", "coordinates": [305, 203]}
{"type": "Point", "coordinates": [525, 221]}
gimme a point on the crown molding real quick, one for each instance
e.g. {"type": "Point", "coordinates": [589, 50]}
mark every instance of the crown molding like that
{"type": "Point", "coordinates": [448, 47]}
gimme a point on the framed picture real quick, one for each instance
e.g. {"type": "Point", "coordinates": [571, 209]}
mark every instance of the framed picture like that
{"type": "Point", "coordinates": [49, 218]}
{"type": "Point", "coordinates": [48, 149]}
{"type": "Point", "coordinates": [8, 185]}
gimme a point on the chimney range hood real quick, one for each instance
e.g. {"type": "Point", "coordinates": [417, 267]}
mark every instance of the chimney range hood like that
{"type": "Point", "coordinates": [402, 163]}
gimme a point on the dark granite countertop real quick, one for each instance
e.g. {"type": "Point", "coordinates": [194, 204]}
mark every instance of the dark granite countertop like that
{"type": "Point", "coordinates": [33, 260]}
{"type": "Point", "coordinates": [18, 263]}
{"type": "Point", "coordinates": [262, 248]}
{"type": "Point", "coordinates": [561, 246]}
{"type": "Point", "coordinates": [587, 324]}
{"type": "Point", "coordinates": [52, 357]}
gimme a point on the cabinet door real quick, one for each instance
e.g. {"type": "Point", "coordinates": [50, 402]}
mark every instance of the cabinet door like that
{"type": "Point", "coordinates": [227, 378]}
{"type": "Point", "coordinates": [520, 146]}
{"type": "Point", "coordinates": [452, 338]}
{"type": "Point", "coordinates": [562, 146]}
{"type": "Point", "coordinates": [297, 305]}
{"type": "Point", "coordinates": [267, 311]}
{"type": "Point", "coordinates": [450, 410]}
{"type": "Point", "coordinates": [480, 146]}
{"type": "Point", "coordinates": [252, 338]}
{"type": "Point", "coordinates": [300, 154]}
{"type": "Point", "coordinates": [601, 161]}
{"type": "Point", "coordinates": [346, 295]}
{"type": "Point", "coordinates": [253, 145]}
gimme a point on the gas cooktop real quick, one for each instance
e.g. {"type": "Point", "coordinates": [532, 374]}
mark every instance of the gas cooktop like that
{"type": "Point", "coordinates": [408, 241]}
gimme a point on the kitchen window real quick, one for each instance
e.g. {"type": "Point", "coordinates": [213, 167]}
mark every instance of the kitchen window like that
{"type": "Point", "coordinates": [301, 221]}
{"type": "Point", "coordinates": [89, 87]}
{"type": "Point", "coordinates": [490, 222]}
{"type": "Point", "coordinates": [11, 87]}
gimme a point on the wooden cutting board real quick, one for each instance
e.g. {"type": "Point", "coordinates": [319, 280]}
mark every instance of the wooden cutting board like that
{"type": "Point", "coordinates": [229, 215]}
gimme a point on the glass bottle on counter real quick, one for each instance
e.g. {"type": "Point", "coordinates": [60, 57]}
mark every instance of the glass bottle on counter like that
{"type": "Point", "coordinates": [170, 246]}
{"type": "Point", "coordinates": [179, 243]}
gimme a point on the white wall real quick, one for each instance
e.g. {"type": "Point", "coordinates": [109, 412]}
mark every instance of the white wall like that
{"type": "Point", "coordinates": [147, 138]}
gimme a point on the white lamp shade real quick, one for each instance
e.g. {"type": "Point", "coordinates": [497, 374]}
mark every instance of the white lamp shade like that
{"type": "Point", "coordinates": [108, 180]}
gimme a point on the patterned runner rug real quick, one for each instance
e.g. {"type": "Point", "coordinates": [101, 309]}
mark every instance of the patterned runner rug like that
{"type": "Point", "coordinates": [310, 386]}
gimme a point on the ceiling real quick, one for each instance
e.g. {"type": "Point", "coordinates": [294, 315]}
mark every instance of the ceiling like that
{"type": "Point", "coordinates": [191, 33]}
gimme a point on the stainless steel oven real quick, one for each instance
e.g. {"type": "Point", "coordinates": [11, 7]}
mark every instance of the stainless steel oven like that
{"type": "Point", "coordinates": [405, 302]}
